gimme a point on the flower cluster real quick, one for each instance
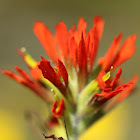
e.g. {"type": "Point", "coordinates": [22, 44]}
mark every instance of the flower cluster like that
{"type": "Point", "coordinates": [81, 91]}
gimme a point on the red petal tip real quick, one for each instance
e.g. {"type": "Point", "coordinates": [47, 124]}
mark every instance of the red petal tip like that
{"type": "Point", "coordinates": [135, 78]}
{"type": "Point", "coordinates": [42, 57]}
{"type": "Point", "coordinates": [3, 71]}
{"type": "Point", "coordinates": [17, 67]}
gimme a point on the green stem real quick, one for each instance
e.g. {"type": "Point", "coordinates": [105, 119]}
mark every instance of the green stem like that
{"type": "Point", "coordinates": [86, 95]}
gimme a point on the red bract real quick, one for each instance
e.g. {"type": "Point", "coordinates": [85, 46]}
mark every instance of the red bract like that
{"type": "Point", "coordinates": [109, 89]}
{"type": "Point", "coordinates": [50, 74]}
{"type": "Point", "coordinates": [25, 80]}
{"type": "Point", "coordinates": [126, 93]}
{"type": "Point", "coordinates": [58, 108]}
{"type": "Point", "coordinates": [117, 90]}
{"type": "Point", "coordinates": [82, 58]}
{"type": "Point", "coordinates": [61, 40]}
{"type": "Point", "coordinates": [117, 76]}
{"type": "Point", "coordinates": [46, 39]}
{"type": "Point", "coordinates": [100, 81]}
{"type": "Point", "coordinates": [115, 56]}
{"type": "Point", "coordinates": [63, 72]}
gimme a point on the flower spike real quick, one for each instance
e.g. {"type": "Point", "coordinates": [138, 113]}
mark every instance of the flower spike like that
{"type": "Point", "coordinates": [82, 92]}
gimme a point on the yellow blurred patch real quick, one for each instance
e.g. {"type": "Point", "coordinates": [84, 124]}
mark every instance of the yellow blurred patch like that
{"type": "Point", "coordinates": [30, 61]}
{"type": "Point", "coordinates": [9, 127]}
{"type": "Point", "coordinates": [113, 126]}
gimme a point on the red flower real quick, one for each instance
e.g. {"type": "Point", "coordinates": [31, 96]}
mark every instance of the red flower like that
{"type": "Point", "coordinates": [77, 93]}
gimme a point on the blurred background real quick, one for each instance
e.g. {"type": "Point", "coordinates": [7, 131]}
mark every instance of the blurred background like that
{"type": "Point", "coordinates": [16, 21]}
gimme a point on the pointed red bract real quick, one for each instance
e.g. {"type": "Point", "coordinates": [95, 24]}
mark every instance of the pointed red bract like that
{"type": "Point", "coordinates": [114, 57]}
{"type": "Point", "coordinates": [81, 30]}
{"type": "Point", "coordinates": [26, 81]}
{"type": "Point", "coordinates": [63, 72]}
{"type": "Point", "coordinates": [23, 73]}
{"type": "Point", "coordinates": [47, 70]}
{"type": "Point", "coordinates": [73, 52]}
{"type": "Point", "coordinates": [12, 75]}
{"type": "Point", "coordinates": [50, 74]}
{"type": "Point", "coordinates": [82, 25]}
{"type": "Point", "coordinates": [126, 51]}
{"type": "Point", "coordinates": [126, 93]}
{"type": "Point", "coordinates": [87, 43]}
{"type": "Point", "coordinates": [116, 91]}
{"type": "Point", "coordinates": [46, 39]}
{"type": "Point", "coordinates": [109, 89]}
{"type": "Point", "coordinates": [100, 81]}
{"type": "Point", "coordinates": [107, 60]}
{"type": "Point", "coordinates": [58, 108]}
{"type": "Point", "coordinates": [95, 35]}
{"type": "Point", "coordinates": [98, 23]}
{"type": "Point", "coordinates": [93, 46]}
{"type": "Point", "coordinates": [61, 39]}
{"type": "Point", "coordinates": [82, 57]}
{"type": "Point", "coordinates": [117, 76]}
